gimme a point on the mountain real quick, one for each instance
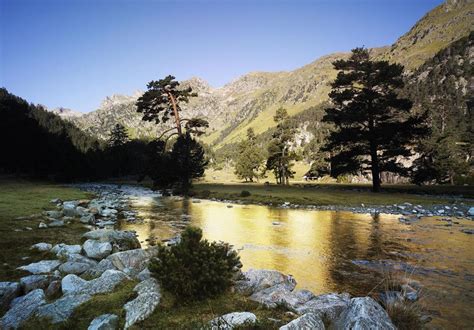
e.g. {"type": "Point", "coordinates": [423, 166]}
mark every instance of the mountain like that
{"type": "Point", "coordinates": [65, 113]}
{"type": "Point", "coordinates": [251, 100]}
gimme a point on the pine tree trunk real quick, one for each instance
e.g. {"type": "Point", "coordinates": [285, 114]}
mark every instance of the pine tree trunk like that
{"type": "Point", "coordinates": [176, 114]}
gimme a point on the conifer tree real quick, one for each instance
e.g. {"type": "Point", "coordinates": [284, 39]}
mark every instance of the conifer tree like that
{"type": "Point", "coordinates": [373, 126]}
{"type": "Point", "coordinates": [250, 158]}
{"type": "Point", "coordinates": [118, 136]}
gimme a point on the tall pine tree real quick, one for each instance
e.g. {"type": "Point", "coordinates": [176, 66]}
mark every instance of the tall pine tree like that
{"type": "Point", "coordinates": [374, 127]}
{"type": "Point", "coordinates": [250, 158]}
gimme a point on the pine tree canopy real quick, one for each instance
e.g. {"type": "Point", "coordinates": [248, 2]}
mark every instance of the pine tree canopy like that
{"type": "Point", "coordinates": [373, 125]}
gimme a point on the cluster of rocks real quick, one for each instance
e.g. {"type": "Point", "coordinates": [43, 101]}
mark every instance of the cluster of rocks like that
{"type": "Point", "coordinates": [108, 257]}
{"type": "Point", "coordinates": [460, 210]}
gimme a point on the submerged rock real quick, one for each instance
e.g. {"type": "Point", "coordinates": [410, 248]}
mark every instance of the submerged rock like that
{"type": "Point", "coordinates": [8, 292]}
{"type": "Point", "coordinates": [141, 307]}
{"type": "Point", "coordinates": [231, 320]}
{"type": "Point", "coordinates": [104, 322]}
{"type": "Point", "coordinates": [307, 321]}
{"type": "Point", "coordinates": [22, 308]}
{"type": "Point", "coordinates": [364, 313]}
{"type": "Point", "coordinates": [41, 267]}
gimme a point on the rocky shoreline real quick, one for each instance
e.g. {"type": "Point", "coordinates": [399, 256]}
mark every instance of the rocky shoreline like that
{"type": "Point", "coordinates": [108, 257]}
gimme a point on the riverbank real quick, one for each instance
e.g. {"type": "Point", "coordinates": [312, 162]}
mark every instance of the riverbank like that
{"type": "Point", "coordinates": [404, 200]}
{"type": "Point", "coordinates": [101, 277]}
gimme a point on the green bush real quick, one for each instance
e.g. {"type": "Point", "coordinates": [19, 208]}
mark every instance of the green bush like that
{"type": "Point", "coordinates": [195, 269]}
{"type": "Point", "coordinates": [245, 193]}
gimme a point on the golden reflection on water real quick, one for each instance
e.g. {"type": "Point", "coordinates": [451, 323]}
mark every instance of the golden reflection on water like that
{"type": "Point", "coordinates": [317, 247]}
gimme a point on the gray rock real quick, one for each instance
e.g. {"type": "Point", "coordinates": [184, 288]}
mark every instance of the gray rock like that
{"type": "Point", "coordinates": [101, 267]}
{"type": "Point", "coordinates": [137, 259]}
{"type": "Point", "coordinates": [390, 297]}
{"type": "Point", "coordinates": [54, 288]}
{"type": "Point", "coordinates": [33, 282]}
{"type": "Point", "coordinates": [42, 225]}
{"type": "Point", "coordinates": [329, 306]}
{"type": "Point", "coordinates": [53, 214]}
{"type": "Point", "coordinates": [8, 292]}
{"type": "Point", "coordinates": [364, 313]}
{"type": "Point", "coordinates": [56, 201]}
{"type": "Point", "coordinates": [296, 299]}
{"type": "Point", "coordinates": [71, 267]}
{"type": "Point", "coordinates": [82, 211]}
{"type": "Point", "coordinates": [471, 211]}
{"type": "Point", "coordinates": [104, 322]}
{"type": "Point", "coordinates": [123, 240]}
{"type": "Point", "coordinates": [41, 267]}
{"type": "Point", "coordinates": [69, 209]}
{"type": "Point", "coordinates": [144, 304]}
{"type": "Point", "coordinates": [257, 280]}
{"type": "Point", "coordinates": [271, 297]}
{"type": "Point", "coordinates": [73, 284]}
{"type": "Point", "coordinates": [144, 275]}
{"type": "Point", "coordinates": [62, 309]}
{"type": "Point", "coordinates": [64, 250]}
{"type": "Point", "coordinates": [231, 320]}
{"type": "Point", "coordinates": [42, 247]}
{"type": "Point", "coordinates": [97, 250]}
{"type": "Point", "coordinates": [56, 223]}
{"type": "Point", "coordinates": [307, 321]}
{"type": "Point", "coordinates": [22, 308]}
{"type": "Point", "coordinates": [88, 219]}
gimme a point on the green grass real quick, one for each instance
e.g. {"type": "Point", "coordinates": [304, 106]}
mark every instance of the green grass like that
{"type": "Point", "coordinates": [334, 194]}
{"type": "Point", "coordinates": [20, 198]}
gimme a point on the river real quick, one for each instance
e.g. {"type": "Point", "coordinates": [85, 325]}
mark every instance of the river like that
{"type": "Point", "coordinates": [332, 251]}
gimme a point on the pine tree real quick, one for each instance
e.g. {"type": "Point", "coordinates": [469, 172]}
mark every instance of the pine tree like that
{"type": "Point", "coordinates": [280, 155]}
{"type": "Point", "coordinates": [118, 136]}
{"type": "Point", "coordinates": [250, 158]}
{"type": "Point", "coordinates": [373, 126]}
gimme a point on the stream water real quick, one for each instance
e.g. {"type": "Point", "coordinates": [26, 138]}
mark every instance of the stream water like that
{"type": "Point", "coordinates": [331, 251]}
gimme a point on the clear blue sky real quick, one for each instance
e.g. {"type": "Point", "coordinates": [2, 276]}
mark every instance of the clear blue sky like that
{"type": "Point", "coordinates": [74, 53]}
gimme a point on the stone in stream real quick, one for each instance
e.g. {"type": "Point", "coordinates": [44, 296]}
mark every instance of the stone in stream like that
{"type": "Point", "coordinates": [123, 240]}
{"type": "Point", "coordinates": [61, 309]}
{"type": "Point", "coordinates": [306, 321]}
{"type": "Point", "coordinates": [33, 282]}
{"type": "Point", "coordinates": [22, 308]}
{"type": "Point", "coordinates": [144, 304]}
{"type": "Point", "coordinates": [72, 284]}
{"type": "Point", "coordinates": [364, 313]}
{"type": "Point", "coordinates": [231, 320]}
{"type": "Point", "coordinates": [41, 267]}
{"type": "Point", "coordinates": [104, 322]}
{"type": "Point", "coordinates": [97, 250]}
{"type": "Point", "coordinates": [42, 247]}
{"type": "Point", "coordinates": [8, 292]}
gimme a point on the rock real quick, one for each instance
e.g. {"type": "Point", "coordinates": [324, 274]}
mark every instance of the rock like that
{"type": "Point", "coordinates": [471, 211]}
{"type": "Point", "coordinates": [42, 247]}
{"type": "Point", "coordinates": [328, 306]}
{"type": "Point", "coordinates": [22, 308]}
{"type": "Point", "coordinates": [64, 250]}
{"type": "Point", "coordinates": [144, 304]}
{"type": "Point", "coordinates": [56, 223]}
{"type": "Point", "coordinates": [231, 320]}
{"type": "Point", "coordinates": [468, 231]}
{"type": "Point", "coordinates": [390, 297]}
{"type": "Point", "coordinates": [271, 297]}
{"type": "Point", "coordinates": [81, 211]}
{"type": "Point", "coordinates": [144, 275]}
{"type": "Point", "coordinates": [296, 299]}
{"type": "Point", "coordinates": [137, 259]}
{"type": "Point", "coordinates": [54, 288]}
{"type": "Point", "coordinates": [42, 225]}
{"type": "Point", "coordinates": [73, 284]}
{"type": "Point", "coordinates": [364, 313]}
{"type": "Point", "coordinates": [307, 321]}
{"type": "Point", "coordinates": [276, 223]}
{"type": "Point", "coordinates": [256, 280]}
{"type": "Point", "coordinates": [97, 250]}
{"type": "Point", "coordinates": [42, 267]}
{"type": "Point", "coordinates": [101, 267]}
{"type": "Point", "coordinates": [108, 212]}
{"type": "Point", "coordinates": [56, 201]}
{"type": "Point", "coordinates": [88, 219]}
{"type": "Point", "coordinates": [69, 209]}
{"type": "Point", "coordinates": [33, 282]}
{"type": "Point", "coordinates": [8, 292]}
{"type": "Point", "coordinates": [123, 240]}
{"type": "Point", "coordinates": [62, 309]}
{"type": "Point", "coordinates": [71, 267]}
{"type": "Point", "coordinates": [53, 214]}
{"type": "Point", "coordinates": [104, 322]}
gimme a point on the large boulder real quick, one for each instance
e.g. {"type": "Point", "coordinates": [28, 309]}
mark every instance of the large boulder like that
{"type": "Point", "coordinates": [329, 306]}
{"type": "Point", "coordinates": [8, 292]}
{"type": "Point", "coordinates": [41, 267]}
{"type": "Point", "coordinates": [136, 260]}
{"type": "Point", "coordinates": [97, 250]}
{"type": "Point", "coordinates": [231, 320]}
{"type": "Point", "coordinates": [71, 267]}
{"type": "Point", "coordinates": [257, 280]}
{"type": "Point", "coordinates": [273, 296]}
{"type": "Point", "coordinates": [73, 284]}
{"type": "Point", "coordinates": [60, 310]}
{"type": "Point", "coordinates": [144, 304]}
{"type": "Point", "coordinates": [104, 322]}
{"type": "Point", "coordinates": [121, 240]}
{"type": "Point", "coordinates": [64, 250]}
{"type": "Point", "coordinates": [33, 282]}
{"type": "Point", "coordinates": [364, 313]}
{"type": "Point", "coordinates": [307, 321]}
{"type": "Point", "coordinates": [100, 268]}
{"type": "Point", "coordinates": [22, 308]}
